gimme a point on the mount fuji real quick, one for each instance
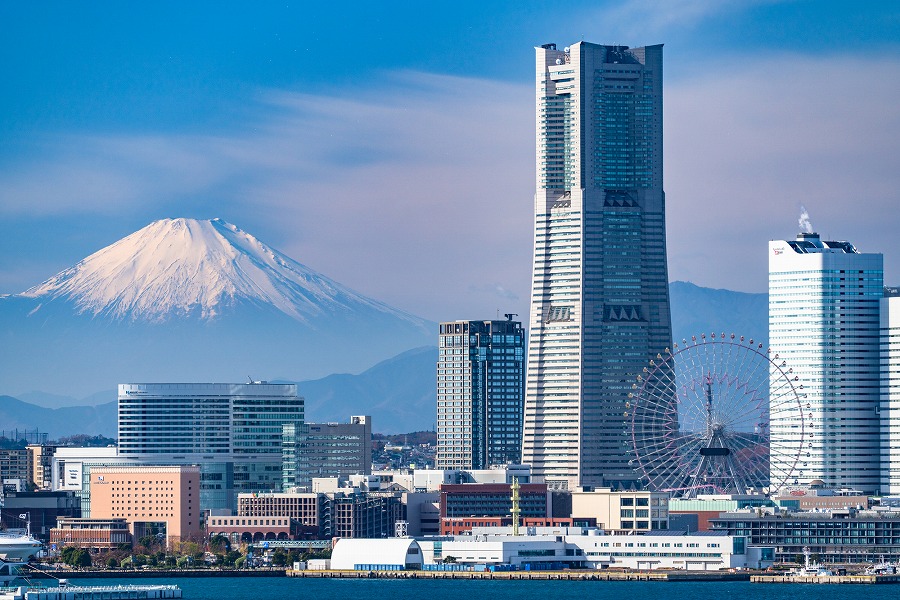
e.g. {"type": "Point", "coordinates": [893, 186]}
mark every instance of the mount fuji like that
{"type": "Point", "coordinates": [191, 300]}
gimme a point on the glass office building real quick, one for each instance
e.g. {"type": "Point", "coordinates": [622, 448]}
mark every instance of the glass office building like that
{"type": "Point", "coordinates": [480, 381]}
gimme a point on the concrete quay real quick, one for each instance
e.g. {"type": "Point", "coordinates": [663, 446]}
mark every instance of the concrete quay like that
{"type": "Point", "coordinates": [587, 575]}
{"type": "Point", "coordinates": [863, 579]}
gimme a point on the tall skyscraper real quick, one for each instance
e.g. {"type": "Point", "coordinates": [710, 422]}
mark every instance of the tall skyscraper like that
{"type": "Point", "coordinates": [481, 374]}
{"type": "Point", "coordinates": [890, 392]}
{"type": "Point", "coordinates": [600, 297]}
{"type": "Point", "coordinates": [824, 323]}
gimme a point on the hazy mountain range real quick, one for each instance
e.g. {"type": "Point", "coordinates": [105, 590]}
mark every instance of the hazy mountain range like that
{"type": "Point", "coordinates": [183, 299]}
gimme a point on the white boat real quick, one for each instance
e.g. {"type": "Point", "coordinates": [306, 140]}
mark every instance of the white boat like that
{"type": "Point", "coordinates": [19, 544]}
{"type": "Point", "coordinates": [810, 568]}
{"type": "Point", "coordinates": [883, 568]}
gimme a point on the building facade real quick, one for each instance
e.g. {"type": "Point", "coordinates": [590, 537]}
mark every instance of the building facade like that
{"type": "Point", "coordinates": [480, 393]}
{"type": "Point", "coordinates": [600, 297]}
{"type": "Point", "coordinates": [824, 304]}
{"type": "Point", "coordinates": [890, 392]}
{"type": "Point", "coordinates": [42, 509]}
{"type": "Point", "coordinates": [325, 450]}
{"type": "Point", "coordinates": [163, 499]}
{"type": "Point", "coordinates": [622, 511]}
{"type": "Point", "coordinates": [838, 536]}
{"type": "Point", "coordinates": [14, 472]}
{"type": "Point", "coordinates": [40, 462]}
{"type": "Point", "coordinates": [233, 431]}
{"type": "Point", "coordinates": [460, 503]}
{"type": "Point", "coordinates": [96, 535]}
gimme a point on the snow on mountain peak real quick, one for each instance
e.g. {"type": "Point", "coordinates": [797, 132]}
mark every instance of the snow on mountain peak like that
{"type": "Point", "coordinates": [184, 267]}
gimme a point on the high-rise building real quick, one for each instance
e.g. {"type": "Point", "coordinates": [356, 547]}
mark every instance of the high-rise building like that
{"type": "Point", "coordinates": [890, 392]}
{"type": "Point", "coordinates": [232, 430]}
{"type": "Point", "coordinates": [325, 450]}
{"type": "Point", "coordinates": [600, 296]}
{"type": "Point", "coordinates": [480, 380]}
{"type": "Point", "coordinates": [824, 299]}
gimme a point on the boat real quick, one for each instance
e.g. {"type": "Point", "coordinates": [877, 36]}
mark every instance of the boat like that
{"type": "Point", "coordinates": [19, 544]}
{"type": "Point", "coordinates": [883, 568]}
{"type": "Point", "coordinates": [810, 568]}
{"type": "Point", "coordinates": [66, 591]}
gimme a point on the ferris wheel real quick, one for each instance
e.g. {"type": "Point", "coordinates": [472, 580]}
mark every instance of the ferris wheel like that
{"type": "Point", "coordinates": [717, 415]}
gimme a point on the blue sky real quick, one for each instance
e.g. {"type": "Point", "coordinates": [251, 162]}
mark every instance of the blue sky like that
{"type": "Point", "coordinates": [390, 145]}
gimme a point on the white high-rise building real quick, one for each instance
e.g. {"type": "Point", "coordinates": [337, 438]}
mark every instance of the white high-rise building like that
{"type": "Point", "coordinates": [890, 393]}
{"type": "Point", "coordinates": [600, 296]}
{"type": "Point", "coordinates": [824, 322]}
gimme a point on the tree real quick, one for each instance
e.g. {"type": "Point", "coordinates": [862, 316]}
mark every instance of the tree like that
{"type": "Point", "coordinates": [449, 560]}
{"type": "Point", "coordinates": [279, 558]}
{"type": "Point", "coordinates": [82, 558]}
{"type": "Point", "coordinates": [75, 556]}
{"type": "Point", "coordinates": [218, 544]}
{"type": "Point", "coordinates": [239, 562]}
{"type": "Point", "coordinates": [112, 563]}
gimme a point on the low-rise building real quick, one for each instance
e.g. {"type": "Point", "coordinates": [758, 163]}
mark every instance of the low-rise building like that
{"type": "Point", "coordinates": [96, 535]}
{"type": "Point", "coordinates": [474, 501]}
{"type": "Point", "coordinates": [709, 506]}
{"type": "Point", "coordinates": [572, 547]}
{"type": "Point", "coordinates": [622, 511]}
{"type": "Point", "coordinates": [391, 554]}
{"type": "Point", "coordinates": [41, 509]}
{"type": "Point", "coordinates": [252, 529]}
{"type": "Point", "coordinates": [836, 536]}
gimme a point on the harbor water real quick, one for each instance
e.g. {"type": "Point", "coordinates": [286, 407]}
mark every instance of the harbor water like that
{"type": "Point", "coordinates": [284, 588]}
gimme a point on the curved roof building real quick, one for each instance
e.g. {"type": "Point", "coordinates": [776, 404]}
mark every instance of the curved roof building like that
{"type": "Point", "coordinates": [381, 554]}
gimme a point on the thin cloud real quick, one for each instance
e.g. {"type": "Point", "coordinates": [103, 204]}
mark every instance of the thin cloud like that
{"type": "Point", "coordinates": [640, 18]}
{"type": "Point", "coordinates": [420, 192]}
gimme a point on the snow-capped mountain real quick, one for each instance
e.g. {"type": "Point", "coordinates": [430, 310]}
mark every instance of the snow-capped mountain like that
{"type": "Point", "coordinates": [186, 267]}
{"type": "Point", "coordinates": [188, 300]}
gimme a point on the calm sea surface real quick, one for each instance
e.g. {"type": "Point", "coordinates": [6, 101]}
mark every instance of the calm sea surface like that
{"type": "Point", "coordinates": [284, 588]}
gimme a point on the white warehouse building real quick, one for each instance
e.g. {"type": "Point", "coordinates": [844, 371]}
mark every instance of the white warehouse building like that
{"type": "Point", "coordinates": [554, 548]}
{"type": "Point", "coordinates": [391, 554]}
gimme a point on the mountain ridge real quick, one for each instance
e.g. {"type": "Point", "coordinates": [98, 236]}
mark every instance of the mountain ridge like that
{"type": "Point", "coordinates": [188, 300]}
{"type": "Point", "coordinates": [399, 392]}
{"type": "Point", "coordinates": [179, 267]}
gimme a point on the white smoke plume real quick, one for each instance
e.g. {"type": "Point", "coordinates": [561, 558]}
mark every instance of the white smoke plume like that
{"type": "Point", "coordinates": [803, 221]}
